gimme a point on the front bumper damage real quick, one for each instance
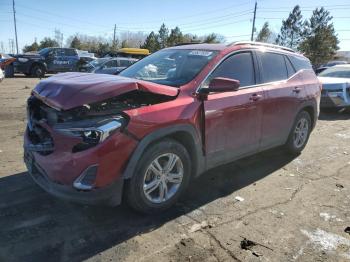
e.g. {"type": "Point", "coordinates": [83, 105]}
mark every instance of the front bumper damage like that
{"type": "Point", "coordinates": [58, 171]}
{"type": "Point", "coordinates": [335, 97]}
{"type": "Point", "coordinates": [110, 195]}
{"type": "Point", "coordinates": [60, 162]}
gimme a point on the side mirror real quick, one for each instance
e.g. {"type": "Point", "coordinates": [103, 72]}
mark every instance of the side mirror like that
{"type": "Point", "coordinates": [221, 84]}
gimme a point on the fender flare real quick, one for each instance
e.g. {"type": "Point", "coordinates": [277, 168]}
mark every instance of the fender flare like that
{"type": "Point", "coordinates": [199, 159]}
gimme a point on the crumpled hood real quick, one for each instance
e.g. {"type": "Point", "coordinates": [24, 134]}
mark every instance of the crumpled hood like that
{"type": "Point", "coordinates": [333, 80]}
{"type": "Point", "coordinates": [329, 83]}
{"type": "Point", "coordinates": [68, 90]}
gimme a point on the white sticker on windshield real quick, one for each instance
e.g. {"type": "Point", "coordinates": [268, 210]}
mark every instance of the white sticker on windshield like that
{"type": "Point", "coordinates": [200, 53]}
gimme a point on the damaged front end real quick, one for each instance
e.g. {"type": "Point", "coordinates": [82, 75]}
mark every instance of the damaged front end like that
{"type": "Point", "coordinates": [77, 139]}
{"type": "Point", "coordinates": [92, 123]}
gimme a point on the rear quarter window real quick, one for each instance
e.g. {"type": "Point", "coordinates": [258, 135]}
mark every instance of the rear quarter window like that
{"type": "Point", "coordinates": [300, 63]}
{"type": "Point", "coordinates": [290, 68]}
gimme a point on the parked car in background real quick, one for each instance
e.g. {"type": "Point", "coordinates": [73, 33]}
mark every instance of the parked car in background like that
{"type": "Point", "coordinates": [111, 66]}
{"type": "Point", "coordinates": [329, 64]}
{"type": "Point", "coordinates": [336, 87]}
{"type": "Point", "coordinates": [6, 60]}
{"type": "Point", "coordinates": [137, 53]}
{"type": "Point", "coordinates": [47, 60]}
{"type": "Point", "coordinates": [166, 119]}
{"type": "Point", "coordinates": [2, 75]}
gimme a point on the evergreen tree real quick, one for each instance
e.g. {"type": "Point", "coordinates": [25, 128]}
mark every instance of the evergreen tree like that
{"type": "Point", "coordinates": [291, 33]}
{"type": "Point", "coordinates": [103, 49]}
{"type": "Point", "coordinates": [48, 42]}
{"type": "Point", "coordinates": [321, 42]}
{"type": "Point", "coordinates": [265, 34]}
{"type": "Point", "coordinates": [124, 44]}
{"type": "Point", "coordinates": [211, 39]}
{"type": "Point", "coordinates": [175, 37]}
{"type": "Point", "coordinates": [151, 43]}
{"type": "Point", "coordinates": [76, 43]}
{"type": "Point", "coordinates": [163, 35]}
{"type": "Point", "coordinates": [29, 48]}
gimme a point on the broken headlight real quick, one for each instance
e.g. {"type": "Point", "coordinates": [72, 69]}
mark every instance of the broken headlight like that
{"type": "Point", "coordinates": [91, 132]}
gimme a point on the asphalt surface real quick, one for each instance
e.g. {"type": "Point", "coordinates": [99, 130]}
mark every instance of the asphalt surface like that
{"type": "Point", "coordinates": [268, 207]}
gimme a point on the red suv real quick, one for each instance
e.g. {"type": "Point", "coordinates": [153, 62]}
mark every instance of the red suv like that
{"type": "Point", "coordinates": [166, 119]}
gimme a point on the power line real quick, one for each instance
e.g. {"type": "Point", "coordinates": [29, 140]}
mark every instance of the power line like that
{"type": "Point", "coordinates": [280, 18]}
{"type": "Point", "coordinates": [234, 22]}
{"type": "Point", "coordinates": [144, 22]}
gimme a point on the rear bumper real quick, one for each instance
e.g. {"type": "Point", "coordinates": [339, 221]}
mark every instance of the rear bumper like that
{"type": "Point", "coordinates": [110, 195]}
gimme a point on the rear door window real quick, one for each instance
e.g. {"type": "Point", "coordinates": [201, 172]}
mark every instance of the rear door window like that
{"type": "Point", "coordinates": [238, 66]}
{"type": "Point", "coordinates": [273, 67]}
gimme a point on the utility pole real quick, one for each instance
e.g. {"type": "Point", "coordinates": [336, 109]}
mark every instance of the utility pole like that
{"type": "Point", "coordinates": [253, 28]}
{"type": "Point", "coordinates": [115, 28]}
{"type": "Point", "coordinates": [14, 20]}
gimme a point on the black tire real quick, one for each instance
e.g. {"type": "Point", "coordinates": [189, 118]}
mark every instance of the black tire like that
{"type": "Point", "coordinates": [37, 71]}
{"type": "Point", "coordinates": [135, 195]}
{"type": "Point", "coordinates": [291, 146]}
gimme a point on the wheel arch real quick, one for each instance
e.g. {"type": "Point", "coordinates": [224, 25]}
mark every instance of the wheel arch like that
{"type": "Point", "coordinates": [311, 108]}
{"type": "Point", "coordinates": [185, 134]}
{"type": "Point", "coordinates": [35, 63]}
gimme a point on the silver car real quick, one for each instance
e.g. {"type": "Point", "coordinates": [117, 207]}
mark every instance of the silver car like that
{"type": "Point", "coordinates": [336, 87]}
{"type": "Point", "coordinates": [112, 66]}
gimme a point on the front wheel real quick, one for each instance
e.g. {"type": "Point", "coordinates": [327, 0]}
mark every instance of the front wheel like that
{"type": "Point", "coordinates": [37, 71]}
{"type": "Point", "coordinates": [161, 176]}
{"type": "Point", "coordinates": [300, 133]}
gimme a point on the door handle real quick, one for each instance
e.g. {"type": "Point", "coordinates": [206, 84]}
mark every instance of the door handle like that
{"type": "Point", "coordinates": [297, 89]}
{"type": "Point", "coordinates": [255, 97]}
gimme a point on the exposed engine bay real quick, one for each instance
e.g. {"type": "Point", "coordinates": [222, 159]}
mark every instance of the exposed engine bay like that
{"type": "Point", "coordinates": [85, 118]}
{"type": "Point", "coordinates": [40, 111]}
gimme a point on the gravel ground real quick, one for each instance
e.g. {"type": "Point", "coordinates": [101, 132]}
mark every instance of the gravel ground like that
{"type": "Point", "coordinates": [268, 207]}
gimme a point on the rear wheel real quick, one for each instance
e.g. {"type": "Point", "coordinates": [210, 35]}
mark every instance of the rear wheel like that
{"type": "Point", "coordinates": [37, 71]}
{"type": "Point", "coordinates": [161, 176]}
{"type": "Point", "coordinates": [300, 133]}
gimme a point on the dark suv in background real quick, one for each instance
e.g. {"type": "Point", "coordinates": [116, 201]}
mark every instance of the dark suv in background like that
{"type": "Point", "coordinates": [47, 60]}
{"type": "Point", "coordinates": [165, 120]}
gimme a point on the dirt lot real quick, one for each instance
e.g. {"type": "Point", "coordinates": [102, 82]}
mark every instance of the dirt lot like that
{"type": "Point", "coordinates": [293, 209]}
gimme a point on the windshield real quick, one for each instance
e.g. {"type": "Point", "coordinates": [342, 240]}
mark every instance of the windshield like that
{"type": "Point", "coordinates": [342, 72]}
{"type": "Point", "coordinates": [99, 62]}
{"type": "Point", "coordinates": [44, 51]}
{"type": "Point", "coordinates": [173, 67]}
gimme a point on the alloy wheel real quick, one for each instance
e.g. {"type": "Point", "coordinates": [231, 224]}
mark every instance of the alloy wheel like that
{"type": "Point", "coordinates": [301, 132]}
{"type": "Point", "coordinates": [163, 178]}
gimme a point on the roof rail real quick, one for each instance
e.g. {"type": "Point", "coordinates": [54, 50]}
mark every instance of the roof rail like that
{"type": "Point", "coordinates": [188, 43]}
{"type": "Point", "coordinates": [262, 44]}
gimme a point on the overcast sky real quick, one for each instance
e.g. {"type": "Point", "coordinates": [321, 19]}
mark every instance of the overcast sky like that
{"type": "Point", "coordinates": [233, 19]}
